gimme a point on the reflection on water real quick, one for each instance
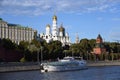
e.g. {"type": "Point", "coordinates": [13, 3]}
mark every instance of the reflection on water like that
{"type": "Point", "coordinates": [92, 73]}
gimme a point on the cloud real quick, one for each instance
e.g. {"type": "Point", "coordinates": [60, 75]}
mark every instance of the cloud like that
{"type": "Point", "coordinates": [116, 19]}
{"type": "Point", "coordinates": [38, 7]}
{"type": "Point", "coordinates": [115, 33]}
{"type": "Point", "coordinates": [100, 18]}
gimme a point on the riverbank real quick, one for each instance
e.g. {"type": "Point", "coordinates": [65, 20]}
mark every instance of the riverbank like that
{"type": "Point", "coordinates": [104, 63]}
{"type": "Point", "coordinates": [13, 67]}
{"type": "Point", "coordinates": [17, 66]}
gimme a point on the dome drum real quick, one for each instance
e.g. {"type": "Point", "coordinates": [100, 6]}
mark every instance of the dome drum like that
{"type": "Point", "coordinates": [54, 17]}
{"type": "Point", "coordinates": [61, 29]}
{"type": "Point", "coordinates": [48, 26]}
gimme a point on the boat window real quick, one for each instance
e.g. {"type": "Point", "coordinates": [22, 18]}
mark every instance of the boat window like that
{"type": "Point", "coordinates": [68, 58]}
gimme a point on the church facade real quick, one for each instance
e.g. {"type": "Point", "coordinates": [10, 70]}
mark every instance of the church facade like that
{"type": "Point", "coordinates": [55, 33]}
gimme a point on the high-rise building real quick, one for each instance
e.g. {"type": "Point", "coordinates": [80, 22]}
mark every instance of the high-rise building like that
{"type": "Point", "coordinates": [15, 32]}
{"type": "Point", "coordinates": [55, 33]}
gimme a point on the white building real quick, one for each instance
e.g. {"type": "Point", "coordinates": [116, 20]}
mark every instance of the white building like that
{"type": "Point", "coordinates": [77, 39]}
{"type": "Point", "coordinates": [16, 33]}
{"type": "Point", "coordinates": [54, 33]}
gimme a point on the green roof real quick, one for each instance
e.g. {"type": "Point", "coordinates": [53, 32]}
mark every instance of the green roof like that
{"type": "Point", "coordinates": [99, 36]}
{"type": "Point", "coordinates": [1, 19]}
{"type": "Point", "coordinates": [12, 24]}
{"type": "Point", "coordinates": [19, 26]}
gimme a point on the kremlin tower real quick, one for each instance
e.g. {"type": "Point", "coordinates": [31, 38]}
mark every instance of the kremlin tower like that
{"type": "Point", "coordinates": [77, 39]}
{"type": "Point", "coordinates": [99, 46]}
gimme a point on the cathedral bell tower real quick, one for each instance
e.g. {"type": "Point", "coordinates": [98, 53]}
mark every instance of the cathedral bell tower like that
{"type": "Point", "coordinates": [54, 27]}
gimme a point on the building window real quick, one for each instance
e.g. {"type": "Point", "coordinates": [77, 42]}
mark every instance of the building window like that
{"type": "Point", "coordinates": [46, 37]}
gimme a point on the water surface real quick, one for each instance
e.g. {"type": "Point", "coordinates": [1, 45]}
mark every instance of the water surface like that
{"type": "Point", "coordinates": [92, 73]}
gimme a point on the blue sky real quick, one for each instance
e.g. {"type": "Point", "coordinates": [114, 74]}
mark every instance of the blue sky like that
{"type": "Point", "coordinates": [87, 18]}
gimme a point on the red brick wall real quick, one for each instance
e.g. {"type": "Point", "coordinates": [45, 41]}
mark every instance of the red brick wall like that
{"type": "Point", "coordinates": [2, 50]}
{"type": "Point", "coordinates": [99, 50]}
{"type": "Point", "coordinates": [10, 55]}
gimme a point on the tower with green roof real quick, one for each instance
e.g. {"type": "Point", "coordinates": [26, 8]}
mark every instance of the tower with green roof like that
{"type": "Point", "coordinates": [99, 46]}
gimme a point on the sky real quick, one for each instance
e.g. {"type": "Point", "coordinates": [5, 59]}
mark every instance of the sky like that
{"type": "Point", "coordinates": [85, 18]}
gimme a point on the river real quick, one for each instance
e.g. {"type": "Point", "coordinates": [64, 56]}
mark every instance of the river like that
{"type": "Point", "coordinates": [92, 73]}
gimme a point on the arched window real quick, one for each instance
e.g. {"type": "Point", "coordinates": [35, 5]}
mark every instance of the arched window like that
{"type": "Point", "coordinates": [46, 37]}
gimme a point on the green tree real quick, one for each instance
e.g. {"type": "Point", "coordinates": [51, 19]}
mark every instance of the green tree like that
{"type": "Point", "coordinates": [8, 44]}
{"type": "Point", "coordinates": [86, 48]}
{"type": "Point", "coordinates": [36, 43]}
{"type": "Point", "coordinates": [23, 45]}
{"type": "Point", "coordinates": [55, 49]}
{"type": "Point", "coordinates": [92, 43]}
{"type": "Point", "coordinates": [76, 50]}
{"type": "Point", "coordinates": [84, 43]}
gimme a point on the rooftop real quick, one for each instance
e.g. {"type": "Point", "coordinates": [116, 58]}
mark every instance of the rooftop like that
{"type": "Point", "coordinates": [1, 19]}
{"type": "Point", "coordinates": [19, 26]}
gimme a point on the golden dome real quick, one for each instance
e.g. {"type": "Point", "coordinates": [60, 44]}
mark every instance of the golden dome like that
{"type": "Point", "coordinates": [48, 26]}
{"type": "Point", "coordinates": [61, 29]}
{"type": "Point", "coordinates": [54, 17]}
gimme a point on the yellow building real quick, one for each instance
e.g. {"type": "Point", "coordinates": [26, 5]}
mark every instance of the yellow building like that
{"type": "Point", "coordinates": [15, 32]}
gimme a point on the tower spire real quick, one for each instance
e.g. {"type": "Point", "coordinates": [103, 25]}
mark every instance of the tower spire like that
{"type": "Point", "coordinates": [54, 16]}
{"type": "Point", "coordinates": [55, 12]}
{"type": "Point", "coordinates": [77, 39]}
{"type": "Point", "coordinates": [54, 28]}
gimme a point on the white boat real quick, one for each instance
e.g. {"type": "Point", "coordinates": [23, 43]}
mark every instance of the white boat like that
{"type": "Point", "coordinates": [66, 64]}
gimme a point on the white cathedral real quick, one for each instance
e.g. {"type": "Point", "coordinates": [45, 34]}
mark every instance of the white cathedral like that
{"type": "Point", "coordinates": [55, 33]}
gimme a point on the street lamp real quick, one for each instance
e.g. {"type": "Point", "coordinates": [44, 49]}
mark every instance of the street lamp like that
{"type": "Point", "coordinates": [41, 56]}
{"type": "Point", "coordinates": [87, 55]}
{"type": "Point", "coordinates": [38, 56]}
{"type": "Point", "coordinates": [72, 52]}
{"type": "Point", "coordinates": [65, 51]}
{"type": "Point", "coordinates": [112, 54]}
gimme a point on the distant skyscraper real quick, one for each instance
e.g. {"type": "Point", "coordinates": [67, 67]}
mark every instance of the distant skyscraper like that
{"type": "Point", "coordinates": [56, 33]}
{"type": "Point", "coordinates": [15, 32]}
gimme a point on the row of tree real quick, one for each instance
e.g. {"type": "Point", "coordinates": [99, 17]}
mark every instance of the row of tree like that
{"type": "Point", "coordinates": [85, 48]}
{"type": "Point", "coordinates": [51, 51]}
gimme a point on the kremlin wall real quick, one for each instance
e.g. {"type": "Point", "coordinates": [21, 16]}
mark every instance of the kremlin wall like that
{"type": "Point", "coordinates": [17, 33]}
{"type": "Point", "coordinates": [10, 55]}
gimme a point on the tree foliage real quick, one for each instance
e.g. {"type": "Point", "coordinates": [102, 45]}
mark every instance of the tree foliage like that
{"type": "Point", "coordinates": [8, 44]}
{"type": "Point", "coordinates": [54, 49]}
